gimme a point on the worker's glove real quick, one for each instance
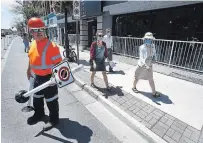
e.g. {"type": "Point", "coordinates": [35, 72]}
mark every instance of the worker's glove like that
{"type": "Point", "coordinates": [52, 78]}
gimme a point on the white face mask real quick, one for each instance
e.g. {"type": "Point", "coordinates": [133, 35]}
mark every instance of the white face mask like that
{"type": "Point", "coordinates": [99, 38]}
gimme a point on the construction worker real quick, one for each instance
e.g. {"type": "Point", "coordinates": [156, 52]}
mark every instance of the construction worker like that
{"type": "Point", "coordinates": [43, 55]}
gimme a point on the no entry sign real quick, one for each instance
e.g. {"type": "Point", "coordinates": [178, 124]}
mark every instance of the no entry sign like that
{"type": "Point", "coordinates": [62, 74]}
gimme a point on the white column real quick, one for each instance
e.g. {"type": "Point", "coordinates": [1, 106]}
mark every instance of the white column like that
{"type": "Point", "coordinates": [83, 34]}
{"type": "Point", "coordinates": [99, 23]}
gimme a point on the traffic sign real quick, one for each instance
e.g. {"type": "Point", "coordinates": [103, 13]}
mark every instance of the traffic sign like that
{"type": "Point", "coordinates": [62, 74]}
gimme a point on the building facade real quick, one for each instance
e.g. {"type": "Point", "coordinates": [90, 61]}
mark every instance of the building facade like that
{"type": "Point", "coordinates": [174, 20]}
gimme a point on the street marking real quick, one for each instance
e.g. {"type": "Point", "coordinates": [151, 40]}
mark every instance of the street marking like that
{"type": "Point", "coordinates": [3, 62]}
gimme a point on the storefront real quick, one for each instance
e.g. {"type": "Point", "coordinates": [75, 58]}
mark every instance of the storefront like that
{"type": "Point", "coordinates": [52, 27]}
{"type": "Point", "coordinates": [71, 29]}
{"type": "Point", "coordinates": [174, 20]}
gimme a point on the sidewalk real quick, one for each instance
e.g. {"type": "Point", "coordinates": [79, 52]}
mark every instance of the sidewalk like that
{"type": "Point", "coordinates": [176, 116]}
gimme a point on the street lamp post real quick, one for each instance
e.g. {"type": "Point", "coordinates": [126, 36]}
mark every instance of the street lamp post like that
{"type": "Point", "coordinates": [77, 41]}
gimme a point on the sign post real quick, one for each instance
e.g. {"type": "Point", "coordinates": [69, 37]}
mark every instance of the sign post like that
{"type": "Point", "coordinates": [76, 16]}
{"type": "Point", "coordinates": [77, 41]}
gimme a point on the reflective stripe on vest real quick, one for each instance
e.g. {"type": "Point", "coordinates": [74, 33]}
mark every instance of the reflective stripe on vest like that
{"type": "Point", "coordinates": [56, 57]}
{"type": "Point", "coordinates": [43, 59]}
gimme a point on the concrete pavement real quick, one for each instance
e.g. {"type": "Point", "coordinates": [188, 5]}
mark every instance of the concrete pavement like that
{"type": "Point", "coordinates": [80, 120]}
{"type": "Point", "coordinates": [175, 116]}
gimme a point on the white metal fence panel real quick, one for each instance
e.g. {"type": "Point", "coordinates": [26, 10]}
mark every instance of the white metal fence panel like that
{"type": "Point", "coordinates": [183, 54]}
{"type": "Point", "coordinates": [5, 41]}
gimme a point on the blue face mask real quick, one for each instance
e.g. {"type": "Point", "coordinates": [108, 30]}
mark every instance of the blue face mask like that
{"type": "Point", "coordinates": [148, 41]}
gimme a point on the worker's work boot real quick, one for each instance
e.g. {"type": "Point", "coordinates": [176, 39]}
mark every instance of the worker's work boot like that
{"type": "Point", "coordinates": [50, 125]}
{"type": "Point", "coordinates": [53, 115]}
{"type": "Point", "coordinates": [35, 118]}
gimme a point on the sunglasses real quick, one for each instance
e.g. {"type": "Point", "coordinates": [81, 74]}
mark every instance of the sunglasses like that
{"type": "Point", "coordinates": [37, 30]}
{"type": "Point", "coordinates": [100, 35]}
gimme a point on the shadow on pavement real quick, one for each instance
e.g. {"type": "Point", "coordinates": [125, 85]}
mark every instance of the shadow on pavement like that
{"type": "Point", "coordinates": [163, 98]}
{"type": "Point", "coordinates": [84, 62]}
{"type": "Point", "coordinates": [45, 119]}
{"type": "Point", "coordinates": [71, 130]}
{"type": "Point", "coordinates": [116, 72]}
{"type": "Point", "coordinates": [115, 91]}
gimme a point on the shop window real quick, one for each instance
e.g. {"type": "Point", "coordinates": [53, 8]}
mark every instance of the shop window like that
{"type": "Point", "coordinates": [178, 23]}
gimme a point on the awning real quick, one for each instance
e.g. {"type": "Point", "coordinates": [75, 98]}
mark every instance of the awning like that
{"type": "Point", "coordinates": [138, 6]}
{"type": "Point", "coordinates": [53, 25]}
{"type": "Point", "coordinates": [63, 20]}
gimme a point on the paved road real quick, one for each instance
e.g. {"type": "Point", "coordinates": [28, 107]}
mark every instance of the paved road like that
{"type": "Point", "coordinates": [77, 123]}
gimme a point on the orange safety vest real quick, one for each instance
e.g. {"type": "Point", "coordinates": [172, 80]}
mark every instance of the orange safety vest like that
{"type": "Point", "coordinates": [43, 55]}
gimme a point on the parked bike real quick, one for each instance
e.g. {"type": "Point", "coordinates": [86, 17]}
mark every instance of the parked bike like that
{"type": "Point", "coordinates": [72, 54]}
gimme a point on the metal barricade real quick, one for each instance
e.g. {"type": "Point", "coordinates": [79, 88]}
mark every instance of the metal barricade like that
{"type": "Point", "coordinates": [182, 54]}
{"type": "Point", "coordinates": [6, 41]}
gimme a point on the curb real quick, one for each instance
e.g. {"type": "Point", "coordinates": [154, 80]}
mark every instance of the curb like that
{"type": "Point", "coordinates": [138, 126]}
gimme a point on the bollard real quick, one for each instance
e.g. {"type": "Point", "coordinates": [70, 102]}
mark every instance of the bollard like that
{"type": "Point", "coordinates": [5, 43]}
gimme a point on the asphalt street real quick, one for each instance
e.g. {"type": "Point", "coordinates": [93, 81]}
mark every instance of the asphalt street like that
{"type": "Point", "coordinates": [77, 122]}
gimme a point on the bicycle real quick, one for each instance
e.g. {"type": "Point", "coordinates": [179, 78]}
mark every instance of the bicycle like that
{"type": "Point", "coordinates": [72, 54]}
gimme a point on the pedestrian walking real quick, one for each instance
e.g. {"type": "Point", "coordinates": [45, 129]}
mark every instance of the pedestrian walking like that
{"type": "Point", "coordinates": [98, 54]}
{"type": "Point", "coordinates": [144, 70]}
{"type": "Point", "coordinates": [26, 42]}
{"type": "Point", "coordinates": [43, 55]}
{"type": "Point", "coordinates": [109, 44]}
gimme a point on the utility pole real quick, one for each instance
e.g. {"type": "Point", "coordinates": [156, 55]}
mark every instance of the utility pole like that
{"type": "Point", "coordinates": [76, 16]}
{"type": "Point", "coordinates": [66, 32]}
{"type": "Point", "coordinates": [77, 41]}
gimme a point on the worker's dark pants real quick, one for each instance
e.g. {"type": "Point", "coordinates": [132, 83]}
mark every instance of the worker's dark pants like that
{"type": "Point", "coordinates": [51, 97]}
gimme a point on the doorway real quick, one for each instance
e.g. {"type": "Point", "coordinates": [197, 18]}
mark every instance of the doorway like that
{"type": "Point", "coordinates": [92, 29]}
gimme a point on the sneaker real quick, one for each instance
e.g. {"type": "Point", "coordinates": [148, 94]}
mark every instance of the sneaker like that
{"type": "Point", "coordinates": [108, 88]}
{"type": "Point", "coordinates": [93, 85]}
{"type": "Point", "coordinates": [135, 90]}
{"type": "Point", "coordinates": [50, 125]}
{"type": "Point", "coordinates": [156, 94]}
{"type": "Point", "coordinates": [110, 70]}
{"type": "Point", "coordinates": [35, 119]}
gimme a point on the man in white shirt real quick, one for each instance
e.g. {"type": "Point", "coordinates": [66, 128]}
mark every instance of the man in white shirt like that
{"type": "Point", "coordinates": [109, 44]}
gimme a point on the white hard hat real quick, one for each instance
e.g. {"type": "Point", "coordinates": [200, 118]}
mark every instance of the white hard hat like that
{"type": "Point", "coordinates": [148, 35]}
